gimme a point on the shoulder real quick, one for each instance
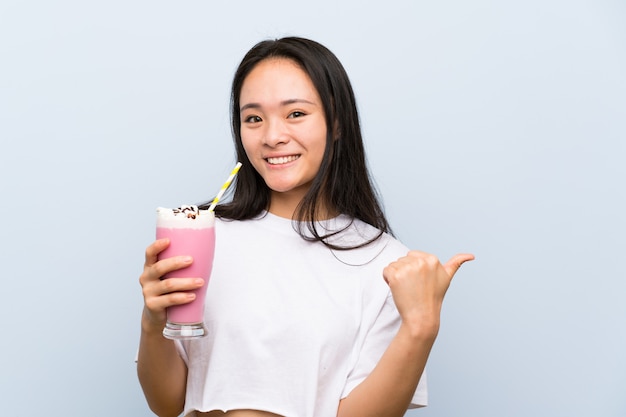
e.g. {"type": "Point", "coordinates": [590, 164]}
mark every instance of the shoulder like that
{"type": "Point", "coordinates": [391, 244]}
{"type": "Point", "coordinates": [381, 250]}
{"type": "Point", "coordinates": [263, 220]}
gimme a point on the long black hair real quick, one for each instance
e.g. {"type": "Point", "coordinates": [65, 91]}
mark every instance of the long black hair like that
{"type": "Point", "coordinates": [343, 183]}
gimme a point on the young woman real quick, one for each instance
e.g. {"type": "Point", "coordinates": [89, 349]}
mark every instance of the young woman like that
{"type": "Point", "coordinates": [314, 309]}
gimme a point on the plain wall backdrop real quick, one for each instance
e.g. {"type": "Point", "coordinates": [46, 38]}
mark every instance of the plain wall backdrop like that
{"type": "Point", "coordinates": [492, 127]}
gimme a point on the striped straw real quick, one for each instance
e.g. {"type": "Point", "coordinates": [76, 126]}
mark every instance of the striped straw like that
{"type": "Point", "coordinates": [225, 186]}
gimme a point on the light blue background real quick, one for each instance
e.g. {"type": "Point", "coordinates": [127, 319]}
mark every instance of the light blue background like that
{"type": "Point", "coordinates": [492, 127]}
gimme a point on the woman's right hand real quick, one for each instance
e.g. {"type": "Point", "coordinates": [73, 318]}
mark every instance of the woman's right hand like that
{"type": "Point", "coordinates": [158, 293]}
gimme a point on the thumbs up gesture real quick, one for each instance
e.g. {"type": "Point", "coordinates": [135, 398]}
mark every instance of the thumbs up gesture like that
{"type": "Point", "coordinates": [418, 283]}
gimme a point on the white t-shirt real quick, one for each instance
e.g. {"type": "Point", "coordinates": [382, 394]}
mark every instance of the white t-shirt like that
{"type": "Point", "coordinates": [292, 326]}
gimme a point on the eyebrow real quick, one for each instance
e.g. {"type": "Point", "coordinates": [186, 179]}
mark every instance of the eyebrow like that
{"type": "Point", "coordinates": [282, 103]}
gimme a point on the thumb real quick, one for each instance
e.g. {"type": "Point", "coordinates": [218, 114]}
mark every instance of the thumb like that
{"type": "Point", "coordinates": [453, 265]}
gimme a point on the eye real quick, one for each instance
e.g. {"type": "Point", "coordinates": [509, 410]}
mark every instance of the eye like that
{"type": "Point", "coordinates": [296, 114]}
{"type": "Point", "coordinates": [252, 119]}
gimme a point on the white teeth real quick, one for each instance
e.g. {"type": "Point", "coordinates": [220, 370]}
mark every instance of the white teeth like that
{"type": "Point", "coordinates": [282, 159]}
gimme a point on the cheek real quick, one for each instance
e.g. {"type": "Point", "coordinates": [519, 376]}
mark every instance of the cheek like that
{"type": "Point", "coordinates": [320, 145]}
{"type": "Point", "coordinates": [248, 148]}
{"type": "Point", "coordinates": [248, 145]}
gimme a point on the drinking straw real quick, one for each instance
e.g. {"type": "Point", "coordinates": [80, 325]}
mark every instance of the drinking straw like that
{"type": "Point", "coordinates": [225, 186]}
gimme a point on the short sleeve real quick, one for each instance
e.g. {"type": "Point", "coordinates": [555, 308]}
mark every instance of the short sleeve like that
{"type": "Point", "coordinates": [182, 351]}
{"type": "Point", "coordinates": [375, 343]}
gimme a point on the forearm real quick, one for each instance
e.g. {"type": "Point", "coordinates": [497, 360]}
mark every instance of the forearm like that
{"type": "Point", "coordinates": [162, 372]}
{"type": "Point", "coordinates": [388, 390]}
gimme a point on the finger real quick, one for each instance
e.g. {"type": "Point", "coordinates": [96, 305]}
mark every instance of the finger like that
{"type": "Point", "coordinates": [158, 304]}
{"type": "Point", "coordinates": [388, 271]}
{"type": "Point", "coordinates": [152, 251]}
{"type": "Point", "coordinates": [156, 271]}
{"type": "Point", "coordinates": [173, 285]}
{"type": "Point", "coordinates": [418, 254]}
{"type": "Point", "coordinates": [166, 265]}
{"type": "Point", "coordinates": [453, 265]}
{"type": "Point", "coordinates": [171, 291]}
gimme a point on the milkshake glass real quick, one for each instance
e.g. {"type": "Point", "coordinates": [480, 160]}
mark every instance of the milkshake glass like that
{"type": "Point", "coordinates": [191, 232]}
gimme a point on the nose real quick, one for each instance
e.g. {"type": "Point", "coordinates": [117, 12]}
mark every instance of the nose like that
{"type": "Point", "coordinates": [275, 133]}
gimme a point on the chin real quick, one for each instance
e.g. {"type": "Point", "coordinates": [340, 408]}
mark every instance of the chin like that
{"type": "Point", "coordinates": [288, 188]}
{"type": "Point", "coordinates": [280, 189]}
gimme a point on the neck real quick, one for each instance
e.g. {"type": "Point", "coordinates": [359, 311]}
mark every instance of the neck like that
{"type": "Point", "coordinates": [286, 204]}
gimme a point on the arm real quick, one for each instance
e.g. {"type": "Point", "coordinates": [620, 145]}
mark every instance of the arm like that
{"type": "Point", "coordinates": [418, 283]}
{"type": "Point", "coordinates": [162, 372]}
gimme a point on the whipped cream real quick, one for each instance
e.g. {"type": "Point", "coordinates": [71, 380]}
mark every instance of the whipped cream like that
{"type": "Point", "coordinates": [187, 217]}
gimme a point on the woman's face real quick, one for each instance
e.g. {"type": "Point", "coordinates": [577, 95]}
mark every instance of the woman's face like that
{"type": "Point", "coordinates": [283, 128]}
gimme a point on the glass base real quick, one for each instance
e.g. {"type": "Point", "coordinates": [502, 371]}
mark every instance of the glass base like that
{"type": "Point", "coordinates": [176, 331]}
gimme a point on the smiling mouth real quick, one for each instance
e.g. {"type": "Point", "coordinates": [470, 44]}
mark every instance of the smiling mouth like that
{"type": "Point", "coordinates": [282, 159]}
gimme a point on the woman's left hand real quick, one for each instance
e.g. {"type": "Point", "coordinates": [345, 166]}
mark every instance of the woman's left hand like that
{"type": "Point", "coordinates": [418, 283]}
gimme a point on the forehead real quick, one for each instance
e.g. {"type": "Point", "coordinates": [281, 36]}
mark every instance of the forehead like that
{"type": "Point", "coordinates": [279, 78]}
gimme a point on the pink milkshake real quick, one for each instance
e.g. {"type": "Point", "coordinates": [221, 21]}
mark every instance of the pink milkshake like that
{"type": "Point", "coordinates": [191, 232]}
